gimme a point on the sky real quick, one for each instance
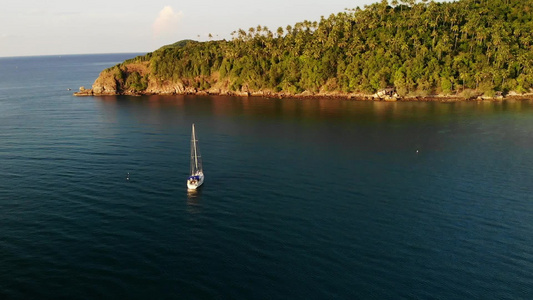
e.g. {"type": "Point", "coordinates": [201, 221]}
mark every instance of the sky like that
{"type": "Point", "coordinates": [59, 27]}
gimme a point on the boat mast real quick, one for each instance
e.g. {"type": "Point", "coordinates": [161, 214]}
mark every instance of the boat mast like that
{"type": "Point", "coordinates": [194, 143]}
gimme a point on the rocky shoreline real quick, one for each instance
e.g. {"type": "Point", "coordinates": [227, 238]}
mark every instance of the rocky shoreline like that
{"type": "Point", "coordinates": [305, 95]}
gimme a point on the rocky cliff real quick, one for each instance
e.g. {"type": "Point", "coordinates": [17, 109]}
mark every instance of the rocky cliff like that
{"type": "Point", "coordinates": [117, 81]}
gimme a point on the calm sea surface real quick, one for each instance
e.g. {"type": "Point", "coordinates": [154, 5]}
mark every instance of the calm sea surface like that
{"type": "Point", "coordinates": [303, 199]}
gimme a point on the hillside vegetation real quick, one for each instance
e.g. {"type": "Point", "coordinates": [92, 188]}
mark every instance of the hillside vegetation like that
{"type": "Point", "coordinates": [419, 47]}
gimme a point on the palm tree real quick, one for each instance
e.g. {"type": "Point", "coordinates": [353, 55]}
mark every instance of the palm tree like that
{"type": "Point", "coordinates": [280, 32]}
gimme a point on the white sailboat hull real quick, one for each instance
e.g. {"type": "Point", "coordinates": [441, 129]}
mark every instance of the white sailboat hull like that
{"type": "Point", "coordinates": [193, 184]}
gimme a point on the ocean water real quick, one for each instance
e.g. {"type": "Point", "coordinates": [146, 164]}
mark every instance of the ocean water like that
{"type": "Point", "coordinates": [303, 199]}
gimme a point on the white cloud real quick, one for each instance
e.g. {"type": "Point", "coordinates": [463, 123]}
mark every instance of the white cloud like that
{"type": "Point", "coordinates": [166, 22]}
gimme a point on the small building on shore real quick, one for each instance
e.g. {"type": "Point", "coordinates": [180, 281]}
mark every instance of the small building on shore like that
{"type": "Point", "coordinates": [387, 93]}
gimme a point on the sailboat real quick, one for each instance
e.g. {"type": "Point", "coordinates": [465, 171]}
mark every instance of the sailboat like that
{"type": "Point", "coordinates": [196, 178]}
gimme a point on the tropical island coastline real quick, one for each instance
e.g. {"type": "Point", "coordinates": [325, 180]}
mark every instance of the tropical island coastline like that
{"type": "Point", "coordinates": [397, 51]}
{"type": "Point", "coordinates": [307, 95]}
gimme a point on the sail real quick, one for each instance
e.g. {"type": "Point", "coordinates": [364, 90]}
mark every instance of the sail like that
{"type": "Point", "coordinates": [196, 158]}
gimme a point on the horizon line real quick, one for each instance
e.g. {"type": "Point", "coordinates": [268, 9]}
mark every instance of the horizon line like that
{"type": "Point", "coordinates": [73, 54]}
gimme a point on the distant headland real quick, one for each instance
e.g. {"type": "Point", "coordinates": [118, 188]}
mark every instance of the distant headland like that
{"type": "Point", "coordinates": [392, 50]}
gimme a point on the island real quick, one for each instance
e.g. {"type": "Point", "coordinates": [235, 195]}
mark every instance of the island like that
{"type": "Point", "coordinates": [390, 50]}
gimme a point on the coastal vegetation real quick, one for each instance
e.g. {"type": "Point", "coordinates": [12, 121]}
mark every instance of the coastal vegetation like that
{"type": "Point", "coordinates": [418, 48]}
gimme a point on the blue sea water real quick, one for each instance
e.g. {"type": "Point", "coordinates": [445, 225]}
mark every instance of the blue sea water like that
{"type": "Point", "coordinates": [303, 199]}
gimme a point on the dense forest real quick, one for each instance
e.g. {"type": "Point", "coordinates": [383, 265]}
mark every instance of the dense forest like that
{"type": "Point", "coordinates": [420, 48]}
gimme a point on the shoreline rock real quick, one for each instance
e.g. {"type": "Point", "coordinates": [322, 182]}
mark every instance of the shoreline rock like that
{"type": "Point", "coordinates": [305, 95]}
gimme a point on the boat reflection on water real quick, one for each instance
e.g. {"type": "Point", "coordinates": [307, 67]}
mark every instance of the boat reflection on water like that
{"type": "Point", "coordinates": [194, 201]}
